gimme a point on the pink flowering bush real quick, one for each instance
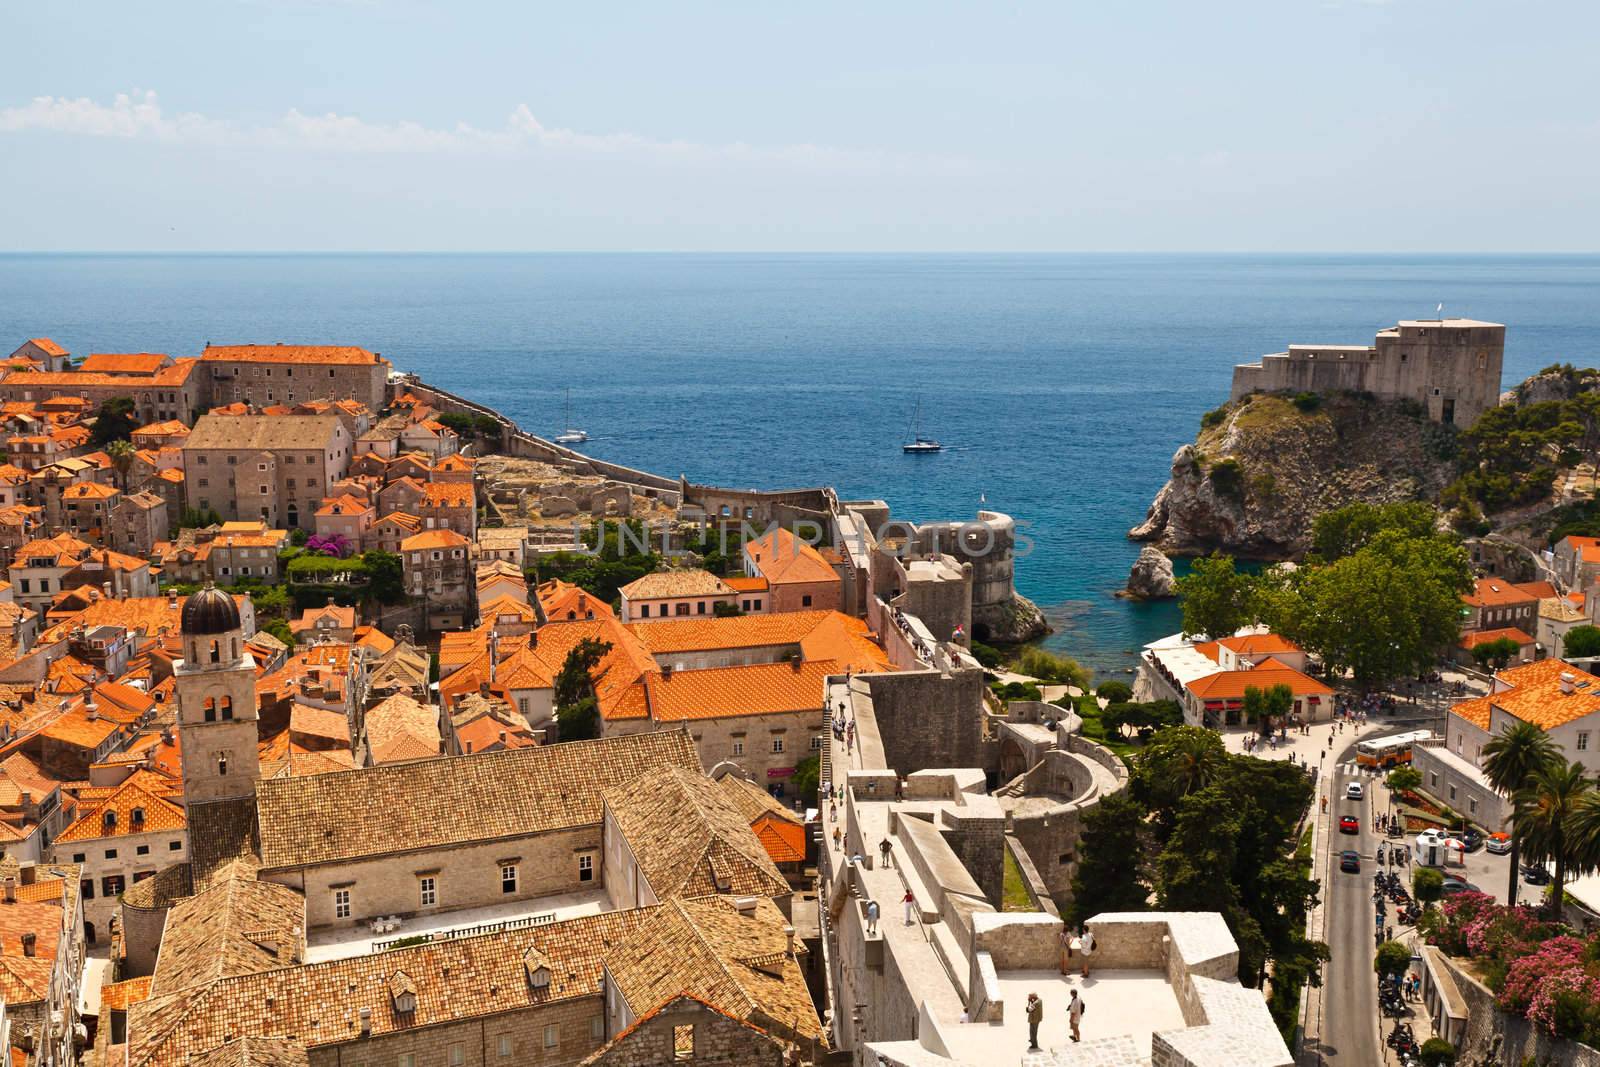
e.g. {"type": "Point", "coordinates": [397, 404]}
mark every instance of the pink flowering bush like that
{"type": "Point", "coordinates": [1525, 976]}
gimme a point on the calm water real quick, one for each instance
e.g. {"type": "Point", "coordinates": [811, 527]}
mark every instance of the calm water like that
{"type": "Point", "coordinates": [1059, 384]}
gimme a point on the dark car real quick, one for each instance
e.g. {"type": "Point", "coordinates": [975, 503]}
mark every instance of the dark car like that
{"type": "Point", "coordinates": [1456, 885]}
{"type": "Point", "coordinates": [1534, 874]}
{"type": "Point", "coordinates": [1349, 824]}
{"type": "Point", "coordinates": [1472, 839]}
{"type": "Point", "coordinates": [1349, 861]}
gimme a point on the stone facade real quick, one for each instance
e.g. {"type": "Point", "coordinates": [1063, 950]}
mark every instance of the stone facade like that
{"type": "Point", "coordinates": [1449, 366]}
{"type": "Point", "coordinates": [551, 1035]}
{"type": "Point", "coordinates": [264, 375]}
{"type": "Point", "coordinates": [687, 1031]}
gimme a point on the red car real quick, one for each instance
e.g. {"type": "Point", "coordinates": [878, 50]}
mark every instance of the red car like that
{"type": "Point", "coordinates": [1349, 824]}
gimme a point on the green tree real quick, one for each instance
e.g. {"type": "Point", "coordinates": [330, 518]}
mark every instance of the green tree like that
{"type": "Point", "coordinates": [1111, 867]}
{"type": "Point", "coordinates": [1345, 531]}
{"type": "Point", "coordinates": [1510, 758]}
{"type": "Point", "coordinates": [1385, 612]}
{"type": "Point", "coordinates": [114, 421]}
{"type": "Point", "coordinates": [1436, 1052]}
{"type": "Point", "coordinates": [1255, 708]}
{"type": "Point", "coordinates": [280, 629]}
{"type": "Point", "coordinates": [1177, 762]}
{"type": "Point", "coordinates": [807, 779]}
{"type": "Point", "coordinates": [122, 454]}
{"type": "Point", "coordinates": [577, 710]}
{"type": "Point", "coordinates": [1114, 691]}
{"type": "Point", "coordinates": [1391, 960]}
{"type": "Point", "coordinates": [1543, 813]}
{"type": "Point", "coordinates": [1495, 654]}
{"type": "Point", "coordinates": [1427, 884]}
{"type": "Point", "coordinates": [1278, 701]}
{"type": "Point", "coordinates": [1404, 779]}
{"type": "Point", "coordinates": [1217, 599]}
{"type": "Point", "coordinates": [386, 578]}
{"type": "Point", "coordinates": [1581, 642]}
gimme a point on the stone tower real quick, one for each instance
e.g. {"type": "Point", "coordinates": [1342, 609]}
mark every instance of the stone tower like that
{"type": "Point", "coordinates": [216, 687]}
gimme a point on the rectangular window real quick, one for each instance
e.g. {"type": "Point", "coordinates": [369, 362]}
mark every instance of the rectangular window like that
{"type": "Point", "coordinates": [457, 1054]}
{"type": "Point", "coordinates": [86, 887]}
{"type": "Point", "coordinates": [174, 846]}
{"type": "Point", "coordinates": [503, 1046]}
{"type": "Point", "coordinates": [79, 857]}
{"type": "Point", "coordinates": [111, 853]}
{"type": "Point", "coordinates": [597, 1028]}
{"type": "Point", "coordinates": [816, 743]}
{"type": "Point", "coordinates": [680, 609]}
{"type": "Point", "coordinates": [738, 748]}
{"type": "Point", "coordinates": [430, 895]}
{"type": "Point", "coordinates": [683, 1043]}
{"type": "Point", "coordinates": [1583, 740]}
{"type": "Point", "coordinates": [585, 868]}
{"type": "Point", "coordinates": [341, 903]}
{"type": "Point", "coordinates": [1452, 792]}
{"type": "Point", "coordinates": [552, 1036]}
{"type": "Point", "coordinates": [508, 878]}
{"type": "Point", "coordinates": [777, 744]}
{"type": "Point", "coordinates": [111, 885]}
{"type": "Point", "coordinates": [142, 850]}
{"type": "Point", "coordinates": [407, 1059]}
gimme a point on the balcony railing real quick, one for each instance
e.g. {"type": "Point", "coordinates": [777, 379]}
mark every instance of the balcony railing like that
{"type": "Point", "coordinates": [466, 931]}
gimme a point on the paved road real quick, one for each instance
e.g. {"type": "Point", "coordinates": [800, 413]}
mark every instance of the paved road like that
{"type": "Point", "coordinates": [1350, 1004]}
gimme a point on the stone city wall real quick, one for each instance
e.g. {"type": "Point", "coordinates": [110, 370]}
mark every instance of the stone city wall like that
{"type": "Point", "coordinates": [1496, 1039]}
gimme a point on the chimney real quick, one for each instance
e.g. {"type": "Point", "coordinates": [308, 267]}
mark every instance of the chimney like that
{"type": "Point", "coordinates": [1568, 680]}
{"type": "Point", "coordinates": [666, 672]}
{"type": "Point", "coordinates": [106, 588]}
{"type": "Point", "coordinates": [366, 1022]}
{"type": "Point", "coordinates": [30, 944]}
{"type": "Point", "coordinates": [11, 889]}
{"type": "Point", "coordinates": [502, 737]}
{"type": "Point", "coordinates": [28, 872]}
{"type": "Point", "coordinates": [745, 906]}
{"type": "Point", "coordinates": [172, 598]}
{"type": "Point", "coordinates": [788, 934]}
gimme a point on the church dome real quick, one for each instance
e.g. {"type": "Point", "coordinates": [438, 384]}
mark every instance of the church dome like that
{"type": "Point", "coordinates": [210, 611]}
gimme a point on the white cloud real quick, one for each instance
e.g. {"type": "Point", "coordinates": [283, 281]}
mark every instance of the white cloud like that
{"type": "Point", "coordinates": [140, 116]}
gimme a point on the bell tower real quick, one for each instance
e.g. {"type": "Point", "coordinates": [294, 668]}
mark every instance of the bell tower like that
{"type": "Point", "coordinates": [216, 688]}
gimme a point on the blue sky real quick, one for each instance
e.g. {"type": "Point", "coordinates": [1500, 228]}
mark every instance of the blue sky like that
{"type": "Point", "coordinates": [1412, 125]}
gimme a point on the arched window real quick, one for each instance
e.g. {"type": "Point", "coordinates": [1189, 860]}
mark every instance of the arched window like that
{"type": "Point", "coordinates": [210, 709]}
{"type": "Point", "coordinates": [235, 648]}
{"type": "Point", "coordinates": [88, 932]}
{"type": "Point", "coordinates": [227, 708]}
{"type": "Point", "coordinates": [216, 653]}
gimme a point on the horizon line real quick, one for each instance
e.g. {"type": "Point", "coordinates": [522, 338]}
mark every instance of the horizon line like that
{"type": "Point", "coordinates": [772, 252]}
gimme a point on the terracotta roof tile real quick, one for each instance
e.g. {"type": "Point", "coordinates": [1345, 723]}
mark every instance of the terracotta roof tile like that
{"type": "Point", "coordinates": [783, 558]}
{"type": "Point", "coordinates": [348, 355]}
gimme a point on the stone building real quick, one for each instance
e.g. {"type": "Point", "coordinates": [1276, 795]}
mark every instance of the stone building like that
{"type": "Point", "coordinates": [173, 392]}
{"type": "Point", "coordinates": [1451, 367]}
{"type": "Point", "coordinates": [438, 571]}
{"type": "Point", "coordinates": [688, 1030]}
{"type": "Point", "coordinates": [264, 375]}
{"type": "Point", "coordinates": [798, 577]}
{"type": "Point", "coordinates": [272, 468]}
{"type": "Point", "coordinates": [674, 593]}
{"type": "Point", "coordinates": [123, 834]}
{"type": "Point", "coordinates": [137, 522]}
{"type": "Point", "coordinates": [41, 937]}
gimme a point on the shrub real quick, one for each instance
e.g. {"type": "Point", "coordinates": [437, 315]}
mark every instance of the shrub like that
{"type": "Point", "coordinates": [1307, 401]}
{"type": "Point", "coordinates": [987, 655]}
{"type": "Point", "coordinates": [1214, 417]}
{"type": "Point", "coordinates": [1437, 1052]}
{"type": "Point", "coordinates": [1114, 691]}
{"type": "Point", "coordinates": [1227, 477]}
{"type": "Point", "coordinates": [1427, 884]}
{"type": "Point", "coordinates": [1049, 667]}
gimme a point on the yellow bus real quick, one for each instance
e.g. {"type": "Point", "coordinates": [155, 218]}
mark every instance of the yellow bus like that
{"type": "Point", "coordinates": [1386, 752]}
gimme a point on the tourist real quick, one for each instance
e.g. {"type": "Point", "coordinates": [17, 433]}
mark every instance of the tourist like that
{"type": "Point", "coordinates": [872, 918]}
{"type": "Point", "coordinates": [1064, 943]}
{"type": "Point", "coordinates": [884, 848]}
{"type": "Point", "coordinates": [1035, 1017]}
{"type": "Point", "coordinates": [836, 836]}
{"type": "Point", "coordinates": [910, 901]}
{"type": "Point", "coordinates": [1085, 950]}
{"type": "Point", "coordinates": [1075, 1014]}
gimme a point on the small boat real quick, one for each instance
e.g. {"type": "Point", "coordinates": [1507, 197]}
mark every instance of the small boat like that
{"type": "Point", "coordinates": [919, 445]}
{"type": "Point", "coordinates": [571, 435]}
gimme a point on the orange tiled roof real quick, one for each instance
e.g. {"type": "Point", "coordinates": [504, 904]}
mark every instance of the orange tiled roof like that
{"type": "Point", "coordinates": [1258, 645]}
{"type": "Point", "coordinates": [348, 355]}
{"type": "Point", "coordinates": [89, 491]}
{"type": "Point", "coordinates": [1483, 637]}
{"type": "Point", "coordinates": [820, 635]}
{"type": "Point", "coordinates": [403, 519]}
{"type": "Point", "coordinates": [170, 428]}
{"type": "Point", "coordinates": [44, 344]}
{"type": "Point", "coordinates": [455, 461]}
{"type": "Point", "coordinates": [1477, 711]}
{"type": "Point", "coordinates": [740, 584]}
{"type": "Point", "coordinates": [1535, 693]}
{"type": "Point", "coordinates": [1496, 592]}
{"type": "Point", "coordinates": [175, 375]}
{"type": "Point", "coordinates": [159, 814]}
{"type": "Point", "coordinates": [563, 600]}
{"type": "Point", "coordinates": [756, 689]}
{"type": "Point", "coordinates": [448, 494]}
{"type": "Point", "coordinates": [343, 505]}
{"type": "Point", "coordinates": [1539, 590]}
{"type": "Point", "coordinates": [429, 539]}
{"type": "Point", "coordinates": [123, 362]}
{"type": "Point", "coordinates": [1230, 685]}
{"type": "Point", "coordinates": [785, 559]}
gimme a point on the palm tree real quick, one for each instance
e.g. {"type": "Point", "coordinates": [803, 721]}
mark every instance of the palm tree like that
{"type": "Point", "coordinates": [121, 454]}
{"type": "Point", "coordinates": [1509, 759]}
{"type": "Point", "coordinates": [1543, 815]}
{"type": "Point", "coordinates": [1586, 832]}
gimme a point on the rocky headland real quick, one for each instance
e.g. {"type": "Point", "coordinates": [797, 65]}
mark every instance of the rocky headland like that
{"type": "Point", "coordinates": [1264, 467]}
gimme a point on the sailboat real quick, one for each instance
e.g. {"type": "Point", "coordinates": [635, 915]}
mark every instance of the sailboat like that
{"type": "Point", "coordinates": [919, 445]}
{"type": "Point", "coordinates": [571, 435]}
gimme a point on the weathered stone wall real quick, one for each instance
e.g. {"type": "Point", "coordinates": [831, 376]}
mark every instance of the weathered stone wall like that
{"type": "Point", "coordinates": [714, 1040]}
{"type": "Point", "coordinates": [1495, 1039]}
{"type": "Point", "coordinates": [927, 719]}
{"type": "Point", "coordinates": [476, 1042]}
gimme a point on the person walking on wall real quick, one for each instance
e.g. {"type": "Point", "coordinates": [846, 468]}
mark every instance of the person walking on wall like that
{"type": "Point", "coordinates": [1085, 950]}
{"type": "Point", "coordinates": [1075, 1014]}
{"type": "Point", "coordinates": [1035, 1017]}
{"type": "Point", "coordinates": [911, 907]}
{"type": "Point", "coordinates": [872, 918]}
{"type": "Point", "coordinates": [884, 848]}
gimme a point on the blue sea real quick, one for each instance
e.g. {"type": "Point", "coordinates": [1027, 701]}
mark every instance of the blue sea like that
{"type": "Point", "coordinates": [1060, 385]}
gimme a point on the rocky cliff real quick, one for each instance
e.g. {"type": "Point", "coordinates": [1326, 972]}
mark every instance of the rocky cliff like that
{"type": "Point", "coordinates": [1264, 467]}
